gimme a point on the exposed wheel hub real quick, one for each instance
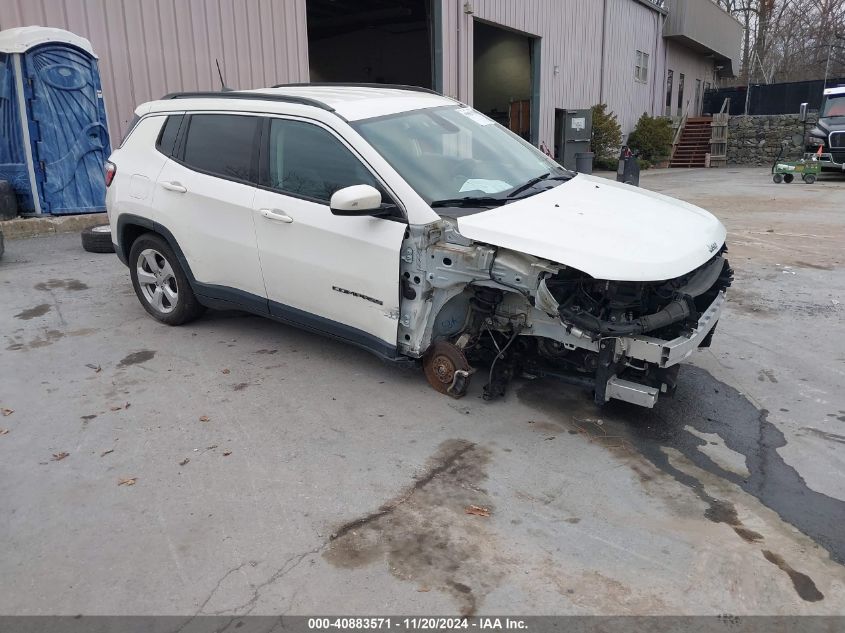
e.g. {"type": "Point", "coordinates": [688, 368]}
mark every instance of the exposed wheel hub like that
{"type": "Point", "coordinates": [447, 369]}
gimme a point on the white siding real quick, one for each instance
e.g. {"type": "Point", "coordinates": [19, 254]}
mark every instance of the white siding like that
{"type": "Point", "coordinates": [571, 39]}
{"type": "Point", "coordinates": [632, 27]}
{"type": "Point", "coordinates": [148, 48]}
{"type": "Point", "coordinates": [694, 66]}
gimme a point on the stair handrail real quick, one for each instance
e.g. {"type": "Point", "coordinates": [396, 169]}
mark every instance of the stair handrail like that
{"type": "Point", "coordinates": [677, 138]}
{"type": "Point", "coordinates": [726, 105]}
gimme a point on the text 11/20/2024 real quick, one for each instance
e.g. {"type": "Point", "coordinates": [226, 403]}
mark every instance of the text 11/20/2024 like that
{"type": "Point", "coordinates": [416, 624]}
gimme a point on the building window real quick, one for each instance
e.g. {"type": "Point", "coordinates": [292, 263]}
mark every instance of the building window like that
{"type": "Point", "coordinates": [641, 67]}
{"type": "Point", "coordinates": [681, 94]}
{"type": "Point", "coordinates": [697, 105]}
{"type": "Point", "coordinates": [670, 75]}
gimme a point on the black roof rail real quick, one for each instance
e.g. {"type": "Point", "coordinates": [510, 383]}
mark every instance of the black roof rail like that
{"type": "Point", "coordinates": [255, 96]}
{"type": "Point", "coordinates": [342, 84]}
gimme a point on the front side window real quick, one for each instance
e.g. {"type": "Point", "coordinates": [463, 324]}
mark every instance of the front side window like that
{"type": "Point", "coordinates": [221, 145]}
{"type": "Point", "coordinates": [451, 153]}
{"type": "Point", "coordinates": [833, 106]}
{"type": "Point", "coordinates": [307, 160]}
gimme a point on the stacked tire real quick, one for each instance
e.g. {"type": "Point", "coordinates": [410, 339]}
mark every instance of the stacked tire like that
{"type": "Point", "coordinates": [97, 239]}
{"type": "Point", "coordinates": [8, 201]}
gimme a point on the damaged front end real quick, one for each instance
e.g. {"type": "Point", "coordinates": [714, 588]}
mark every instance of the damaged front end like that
{"type": "Point", "coordinates": [470, 308]}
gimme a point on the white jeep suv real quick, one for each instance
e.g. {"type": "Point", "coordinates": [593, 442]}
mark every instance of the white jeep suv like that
{"type": "Point", "coordinates": [415, 227]}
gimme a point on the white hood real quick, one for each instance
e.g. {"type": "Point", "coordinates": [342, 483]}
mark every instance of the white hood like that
{"type": "Point", "coordinates": [603, 228]}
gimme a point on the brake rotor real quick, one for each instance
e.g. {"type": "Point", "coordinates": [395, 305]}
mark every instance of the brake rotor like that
{"type": "Point", "coordinates": [446, 369]}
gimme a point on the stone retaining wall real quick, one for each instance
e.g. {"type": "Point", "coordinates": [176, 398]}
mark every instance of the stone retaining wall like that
{"type": "Point", "coordinates": [756, 140]}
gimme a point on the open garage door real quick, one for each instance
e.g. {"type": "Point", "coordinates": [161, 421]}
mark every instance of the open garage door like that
{"type": "Point", "coordinates": [371, 41]}
{"type": "Point", "coordinates": [503, 77]}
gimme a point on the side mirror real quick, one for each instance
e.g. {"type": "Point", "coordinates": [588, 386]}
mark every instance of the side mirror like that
{"type": "Point", "coordinates": [803, 112]}
{"type": "Point", "coordinates": [355, 200]}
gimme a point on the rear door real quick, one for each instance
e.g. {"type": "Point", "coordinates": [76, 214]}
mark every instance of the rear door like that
{"type": "Point", "coordinates": [70, 141]}
{"type": "Point", "coordinates": [204, 197]}
{"type": "Point", "coordinates": [322, 271]}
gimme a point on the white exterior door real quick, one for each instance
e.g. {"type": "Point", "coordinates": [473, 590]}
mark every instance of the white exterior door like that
{"type": "Point", "coordinates": [332, 273]}
{"type": "Point", "coordinates": [205, 198]}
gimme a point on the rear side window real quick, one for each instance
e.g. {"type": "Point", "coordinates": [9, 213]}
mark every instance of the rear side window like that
{"type": "Point", "coordinates": [167, 137]}
{"type": "Point", "coordinates": [221, 145]}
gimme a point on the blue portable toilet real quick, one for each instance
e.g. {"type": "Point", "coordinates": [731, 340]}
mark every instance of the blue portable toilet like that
{"type": "Point", "coordinates": [54, 135]}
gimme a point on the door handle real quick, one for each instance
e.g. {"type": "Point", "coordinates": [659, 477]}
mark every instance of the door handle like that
{"type": "Point", "coordinates": [174, 186]}
{"type": "Point", "coordinates": [278, 216]}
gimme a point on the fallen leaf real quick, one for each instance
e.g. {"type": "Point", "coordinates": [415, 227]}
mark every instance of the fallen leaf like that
{"type": "Point", "coordinates": [184, 461]}
{"type": "Point", "coordinates": [423, 590]}
{"type": "Point", "coordinates": [104, 453]}
{"type": "Point", "coordinates": [479, 511]}
{"type": "Point", "coordinates": [97, 369]}
{"type": "Point", "coordinates": [225, 371]}
{"type": "Point", "coordinates": [204, 418]}
{"type": "Point", "coordinates": [127, 405]}
{"type": "Point", "coordinates": [226, 453]}
{"type": "Point", "coordinates": [127, 482]}
{"type": "Point", "coordinates": [551, 437]}
{"type": "Point", "coordinates": [59, 456]}
{"type": "Point", "coordinates": [117, 408]}
{"type": "Point", "coordinates": [7, 412]}
{"type": "Point", "coordinates": [4, 431]}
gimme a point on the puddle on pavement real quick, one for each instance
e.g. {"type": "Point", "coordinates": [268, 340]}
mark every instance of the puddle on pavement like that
{"type": "Point", "coordinates": [135, 358]}
{"type": "Point", "coordinates": [710, 407]}
{"type": "Point", "coordinates": [37, 311]}
{"type": "Point", "coordinates": [425, 534]}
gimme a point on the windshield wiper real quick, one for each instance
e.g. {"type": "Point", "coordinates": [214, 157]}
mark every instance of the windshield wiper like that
{"type": "Point", "coordinates": [469, 202]}
{"type": "Point", "coordinates": [536, 180]}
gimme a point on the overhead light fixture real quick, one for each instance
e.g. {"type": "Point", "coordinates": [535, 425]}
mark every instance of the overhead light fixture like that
{"type": "Point", "coordinates": [468, 8]}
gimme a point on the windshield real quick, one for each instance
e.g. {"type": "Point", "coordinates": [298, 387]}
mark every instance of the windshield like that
{"type": "Point", "coordinates": [456, 154]}
{"type": "Point", "coordinates": [834, 105]}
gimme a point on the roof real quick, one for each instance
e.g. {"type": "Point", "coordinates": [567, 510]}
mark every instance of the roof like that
{"type": "Point", "coordinates": [21, 39]}
{"type": "Point", "coordinates": [835, 91]}
{"type": "Point", "coordinates": [355, 102]}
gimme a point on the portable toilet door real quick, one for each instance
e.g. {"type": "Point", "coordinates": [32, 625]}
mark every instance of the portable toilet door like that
{"type": "Point", "coordinates": [63, 119]}
{"type": "Point", "coordinates": [13, 167]}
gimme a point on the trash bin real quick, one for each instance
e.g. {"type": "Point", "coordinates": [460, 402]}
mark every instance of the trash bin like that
{"type": "Point", "coordinates": [629, 168]}
{"type": "Point", "coordinates": [584, 162]}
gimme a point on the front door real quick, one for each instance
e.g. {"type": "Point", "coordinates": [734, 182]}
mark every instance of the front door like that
{"type": "Point", "coordinates": [336, 274]}
{"type": "Point", "coordinates": [70, 141]}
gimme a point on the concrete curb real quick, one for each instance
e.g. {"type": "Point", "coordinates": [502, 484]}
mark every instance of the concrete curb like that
{"type": "Point", "coordinates": [20, 228]}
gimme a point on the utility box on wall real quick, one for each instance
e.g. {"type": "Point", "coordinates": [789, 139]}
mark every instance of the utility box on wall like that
{"type": "Point", "coordinates": [575, 136]}
{"type": "Point", "coordinates": [54, 138]}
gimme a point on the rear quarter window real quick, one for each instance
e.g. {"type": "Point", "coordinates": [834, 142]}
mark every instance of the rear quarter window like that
{"type": "Point", "coordinates": [167, 137]}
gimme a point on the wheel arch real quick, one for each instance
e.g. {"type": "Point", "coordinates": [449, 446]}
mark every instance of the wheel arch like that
{"type": "Point", "coordinates": [130, 227]}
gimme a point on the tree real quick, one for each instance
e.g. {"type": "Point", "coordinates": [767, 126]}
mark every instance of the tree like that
{"type": "Point", "coordinates": [606, 136]}
{"type": "Point", "coordinates": [652, 139]}
{"type": "Point", "coordinates": [789, 40]}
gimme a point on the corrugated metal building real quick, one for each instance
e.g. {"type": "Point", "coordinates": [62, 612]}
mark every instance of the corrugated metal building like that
{"type": "Point", "coordinates": [523, 62]}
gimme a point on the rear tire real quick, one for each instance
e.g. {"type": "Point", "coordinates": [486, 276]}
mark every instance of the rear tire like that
{"type": "Point", "coordinates": [788, 178]}
{"type": "Point", "coordinates": [777, 178]}
{"type": "Point", "coordinates": [97, 239]}
{"type": "Point", "coordinates": [160, 283]}
{"type": "Point", "coordinates": [810, 179]}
